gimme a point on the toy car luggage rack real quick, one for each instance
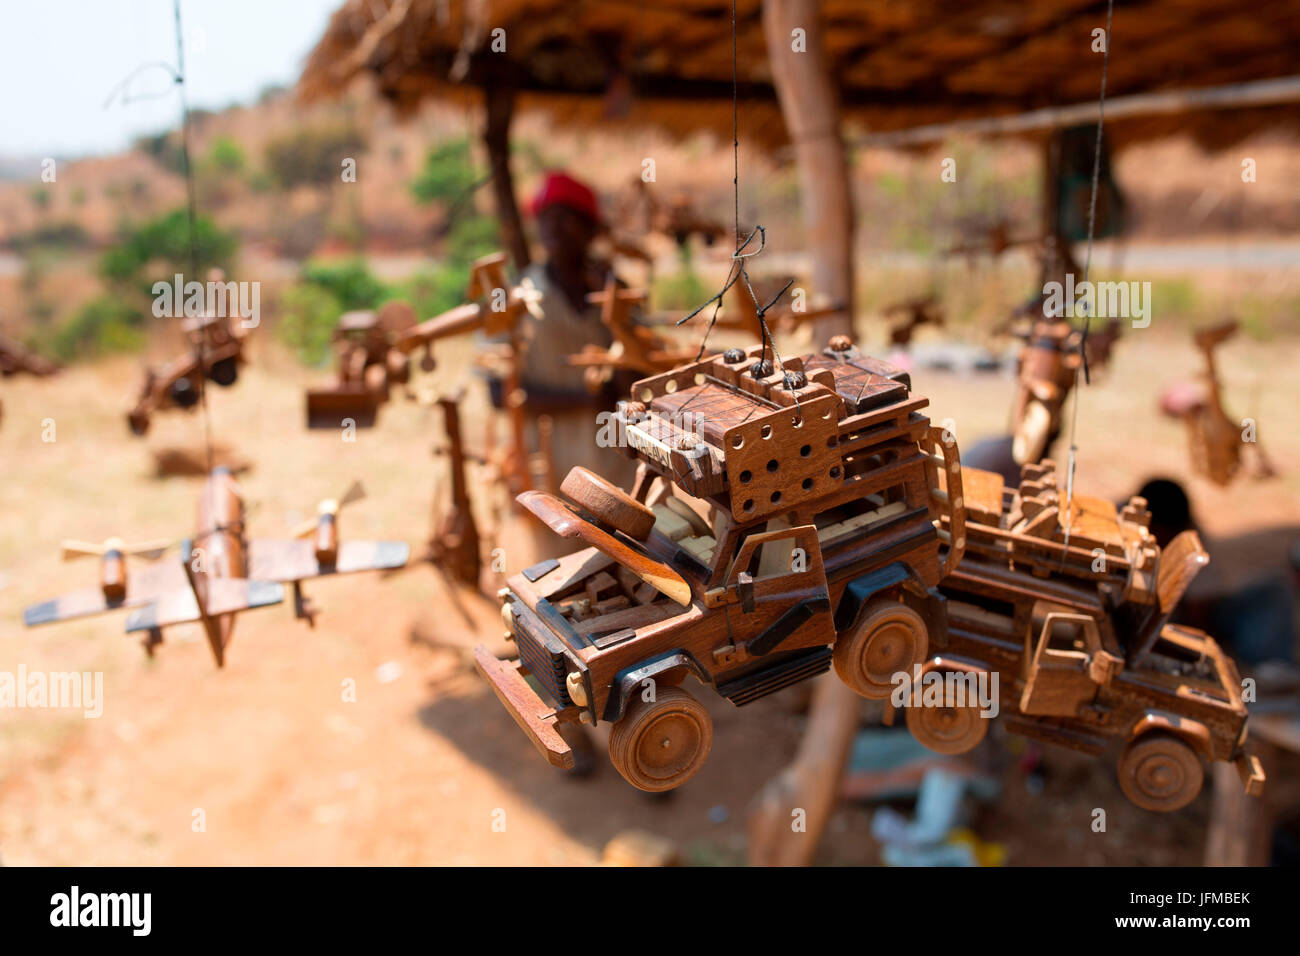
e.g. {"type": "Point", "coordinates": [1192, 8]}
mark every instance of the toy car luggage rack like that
{"type": "Point", "coordinates": [769, 436]}
{"type": "Point", "coordinates": [1024, 525]}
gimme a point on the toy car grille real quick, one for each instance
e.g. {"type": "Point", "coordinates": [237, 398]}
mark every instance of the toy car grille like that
{"type": "Point", "coordinates": [541, 656]}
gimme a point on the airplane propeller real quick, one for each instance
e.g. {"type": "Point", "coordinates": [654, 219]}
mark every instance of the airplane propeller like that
{"type": "Point", "coordinates": [331, 507]}
{"type": "Point", "coordinates": [152, 550]}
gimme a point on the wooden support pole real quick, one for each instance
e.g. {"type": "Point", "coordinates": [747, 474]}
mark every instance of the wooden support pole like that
{"type": "Point", "coordinates": [801, 74]}
{"type": "Point", "coordinates": [500, 102]}
{"type": "Point", "coordinates": [1240, 827]}
{"type": "Point", "coordinates": [810, 783]}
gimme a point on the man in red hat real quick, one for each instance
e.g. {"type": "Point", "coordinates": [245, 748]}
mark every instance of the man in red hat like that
{"type": "Point", "coordinates": [568, 221]}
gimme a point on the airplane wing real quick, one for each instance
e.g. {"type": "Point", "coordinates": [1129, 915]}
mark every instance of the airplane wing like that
{"type": "Point", "coordinates": [143, 584]}
{"type": "Point", "coordinates": [225, 596]}
{"type": "Point", "coordinates": [295, 560]}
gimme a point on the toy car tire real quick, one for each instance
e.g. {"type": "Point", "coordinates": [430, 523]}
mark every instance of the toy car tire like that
{"type": "Point", "coordinates": [948, 730]}
{"type": "Point", "coordinates": [1160, 772]}
{"type": "Point", "coordinates": [225, 372]}
{"type": "Point", "coordinates": [659, 745]}
{"type": "Point", "coordinates": [889, 638]}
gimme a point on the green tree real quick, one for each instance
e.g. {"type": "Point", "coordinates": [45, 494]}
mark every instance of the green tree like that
{"type": "Point", "coordinates": [312, 155]}
{"type": "Point", "coordinates": [160, 247]}
{"type": "Point", "coordinates": [449, 174]}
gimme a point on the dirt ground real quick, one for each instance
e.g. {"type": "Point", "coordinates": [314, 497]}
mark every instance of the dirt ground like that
{"type": "Point", "coordinates": [424, 762]}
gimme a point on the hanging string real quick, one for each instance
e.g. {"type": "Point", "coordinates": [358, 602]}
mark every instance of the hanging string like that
{"type": "Point", "coordinates": [738, 270]}
{"type": "Point", "coordinates": [191, 209]}
{"type": "Point", "coordinates": [1082, 368]}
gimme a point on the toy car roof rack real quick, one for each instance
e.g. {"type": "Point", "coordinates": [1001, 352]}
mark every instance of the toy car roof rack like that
{"type": "Point", "coordinates": [764, 437]}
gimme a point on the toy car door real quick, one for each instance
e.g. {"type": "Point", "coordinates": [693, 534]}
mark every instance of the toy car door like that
{"type": "Point", "coordinates": [775, 594]}
{"type": "Point", "coordinates": [1067, 666]}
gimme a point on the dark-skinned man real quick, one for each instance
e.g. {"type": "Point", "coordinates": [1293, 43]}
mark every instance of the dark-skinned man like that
{"type": "Point", "coordinates": [568, 221]}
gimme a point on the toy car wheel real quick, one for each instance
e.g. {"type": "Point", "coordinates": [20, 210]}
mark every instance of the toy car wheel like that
{"type": "Point", "coordinates": [1160, 772]}
{"type": "Point", "coordinates": [608, 503]}
{"type": "Point", "coordinates": [890, 638]}
{"type": "Point", "coordinates": [225, 372]}
{"type": "Point", "coordinates": [947, 730]}
{"type": "Point", "coordinates": [184, 394]}
{"type": "Point", "coordinates": [660, 744]}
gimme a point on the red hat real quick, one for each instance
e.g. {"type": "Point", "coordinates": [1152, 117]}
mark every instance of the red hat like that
{"type": "Point", "coordinates": [564, 190]}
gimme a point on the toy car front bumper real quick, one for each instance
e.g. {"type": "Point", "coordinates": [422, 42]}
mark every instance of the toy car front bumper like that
{"type": "Point", "coordinates": [533, 715]}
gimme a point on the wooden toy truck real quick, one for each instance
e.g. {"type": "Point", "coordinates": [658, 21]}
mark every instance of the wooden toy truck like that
{"type": "Point", "coordinates": [1076, 627]}
{"type": "Point", "coordinates": [782, 520]}
{"type": "Point", "coordinates": [786, 520]}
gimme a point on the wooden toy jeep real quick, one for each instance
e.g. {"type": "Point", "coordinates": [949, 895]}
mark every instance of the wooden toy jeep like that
{"type": "Point", "coordinates": [1076, 626]}
{"type": "Point", "coordinates": [783, 519]}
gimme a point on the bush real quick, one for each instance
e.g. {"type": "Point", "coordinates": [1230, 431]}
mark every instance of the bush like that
{"type": "Point", "coordinates": [225, 156]}
{"type": "Point", "coordinates": [682, 291]}
{"type": "Point", "coordinates": [312, 156]}
{"type": "Point", "coordinates": [471, 238]}
{"type": "Point", "coordinates": [448, 175]}
{"type": "Point", "coordinates": [104, 324]}
{"type": "Point", "coordinates": [56, 236]}
{"type": "Point", "coordinates": [308, 317]}
{"type": "Point", "coordinates": [166, 240]}
{"type": "Point", "coordinates": [351, 284]}
{"type": "Point", "coordinates": [164, 149]}
{"type": "Point", "coordinates": [434, 291]}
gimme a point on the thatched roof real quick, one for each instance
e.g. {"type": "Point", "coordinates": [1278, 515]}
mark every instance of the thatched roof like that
{"type": "Point", "coordinates": [899, 63]}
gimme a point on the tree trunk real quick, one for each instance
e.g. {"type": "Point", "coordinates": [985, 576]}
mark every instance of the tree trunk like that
{"type": "Point", "coordinates": [811, 107]}
{"type": "Point", "coordinates": [500, 101]}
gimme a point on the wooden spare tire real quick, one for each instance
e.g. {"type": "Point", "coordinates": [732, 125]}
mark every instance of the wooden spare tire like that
{"type": "Point", "coordinates": [608, 503]}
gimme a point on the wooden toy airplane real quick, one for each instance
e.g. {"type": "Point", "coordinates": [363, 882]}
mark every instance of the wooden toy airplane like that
{"type": "Point", "coordinates": [220, 572]}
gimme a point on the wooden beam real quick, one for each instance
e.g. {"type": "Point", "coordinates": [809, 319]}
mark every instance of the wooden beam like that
{"type": "Point", "coordinates": [1233, 96]}
{"type": "Point", "coordinates": [810, 105]}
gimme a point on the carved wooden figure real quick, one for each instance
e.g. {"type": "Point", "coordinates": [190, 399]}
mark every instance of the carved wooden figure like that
{"type": "Point", "coordinates": [1215, 440]}
{"type": "Point", "coordinates": [636, 348]}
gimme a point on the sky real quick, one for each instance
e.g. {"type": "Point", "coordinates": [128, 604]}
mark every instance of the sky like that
{"type": "Point", "coordinates": [60, 60]}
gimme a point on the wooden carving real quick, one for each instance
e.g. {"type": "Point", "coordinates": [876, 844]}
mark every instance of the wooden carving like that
{"type": "Point", "coordinates": [817, 520]}
{"type": "Point", "coordinates": [1215, 440]}
{"type": "Point", "coordinates": [220, 572]}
